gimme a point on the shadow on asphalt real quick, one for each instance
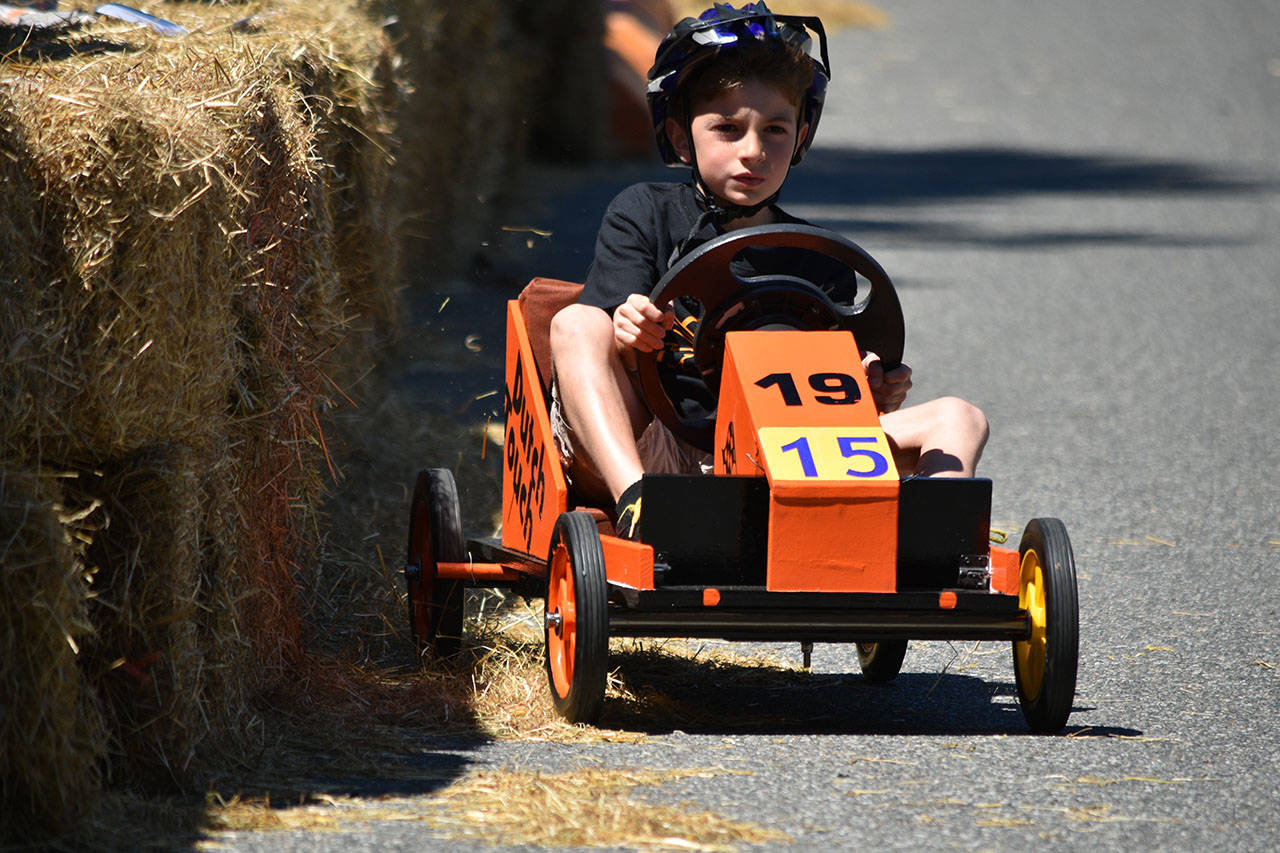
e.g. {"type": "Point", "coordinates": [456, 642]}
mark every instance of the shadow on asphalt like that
{"type": "Point", "coordinates": [668, 694]}
{"type": "Point", "coordinates": [568, 202]}
{"type": "Point", "coordinates": [426, 770]}
{"type": "Point", "coordinates": [943, 175]}
{"type": "Point", "coordinates": [879, 178]}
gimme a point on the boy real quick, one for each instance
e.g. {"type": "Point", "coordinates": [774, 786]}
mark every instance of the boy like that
{"type": "Point", "coordinates": [736, 97]}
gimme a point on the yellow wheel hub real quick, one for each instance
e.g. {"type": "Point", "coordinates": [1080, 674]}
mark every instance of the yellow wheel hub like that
{"type": "Point", "coordinates": [1032, 652]}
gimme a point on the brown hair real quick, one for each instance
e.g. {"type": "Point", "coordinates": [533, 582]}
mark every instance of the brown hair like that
{"type": "Point", "coordinates": [785, 66]}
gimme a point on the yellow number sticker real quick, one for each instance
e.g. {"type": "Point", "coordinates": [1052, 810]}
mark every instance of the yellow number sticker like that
{"type": "Point", "coordinates": [827, 453]}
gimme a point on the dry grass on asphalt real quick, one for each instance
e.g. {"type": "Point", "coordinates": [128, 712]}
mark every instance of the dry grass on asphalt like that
{"type": "Point", "coordinates": [585, 807]}
{"type": "Point", "coordinates": [497, 690]}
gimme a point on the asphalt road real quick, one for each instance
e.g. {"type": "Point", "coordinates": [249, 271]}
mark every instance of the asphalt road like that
{"type": "Point", "coordinates": [1080, 206]}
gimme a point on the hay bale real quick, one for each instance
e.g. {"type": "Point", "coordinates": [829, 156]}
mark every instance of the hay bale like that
{"type": "Point", "coordinates": [145, 656]}
{"type": "Point", "coordinates": [51, 731]}
{"type": "Point", "coordinates": [460, 122]}
{"type": "Point", "coordinates": [177, 271]}
{"type": "Point", "coordinates": [201, 248]}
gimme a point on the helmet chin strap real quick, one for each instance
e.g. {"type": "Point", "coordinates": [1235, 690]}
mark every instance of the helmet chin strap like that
{"type": "Point", "coordinates": [716, 211]}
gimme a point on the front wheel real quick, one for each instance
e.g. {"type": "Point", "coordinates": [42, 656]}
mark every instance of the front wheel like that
{"type": "Point", "coordinates": [577, 619]}
{"type": "Point", "coordinates": [1045, 664]}
{"type": "Point", "coordinates": [881, 661]}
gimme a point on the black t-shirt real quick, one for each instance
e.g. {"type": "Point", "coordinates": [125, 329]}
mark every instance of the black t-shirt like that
{"type": "Point", "coordinates": [643, 226]}
{"type": "Point", "coordinates": [639, 235]}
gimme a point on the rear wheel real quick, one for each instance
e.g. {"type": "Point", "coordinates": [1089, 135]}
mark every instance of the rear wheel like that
{"type": "Point", "coordinates": [435, 536]}
{"type": "Point", "coordinates": [882, 660]}
{"type": "Point", "coordinates": [1045, 664]}
{"type": "Point", "coordinates": [577, 619]}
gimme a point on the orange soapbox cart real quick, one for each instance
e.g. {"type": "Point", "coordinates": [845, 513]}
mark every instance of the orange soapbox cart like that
{"type": "Point", "coordinates": [804, 531]}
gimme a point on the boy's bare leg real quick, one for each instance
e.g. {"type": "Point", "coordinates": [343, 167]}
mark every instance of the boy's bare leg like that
{"type": "Point", "coordinates": [600, 403]}
{"type": "Point", "coordinates": [940, 438]}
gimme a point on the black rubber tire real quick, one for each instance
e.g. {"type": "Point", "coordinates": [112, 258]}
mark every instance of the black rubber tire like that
{"type": "Point", "coordinates": [1045, 666]}
{"type": "Point", "coordinates": [577, 651]}
{"type": "Point", "coordinates": [881, 661]}
{"type": "Point", "coordinates": [435, 535]}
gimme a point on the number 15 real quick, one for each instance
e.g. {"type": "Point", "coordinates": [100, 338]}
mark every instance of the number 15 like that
{"type": "Point", "coordinates": [849, 449]}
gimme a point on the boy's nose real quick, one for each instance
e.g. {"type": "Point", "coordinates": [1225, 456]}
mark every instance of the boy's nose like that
{"type": "Point", "coordinates": [752, 150]}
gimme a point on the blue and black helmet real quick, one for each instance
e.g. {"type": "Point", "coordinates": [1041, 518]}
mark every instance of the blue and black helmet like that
{"type": "Point", "coordinates": [693, 41]}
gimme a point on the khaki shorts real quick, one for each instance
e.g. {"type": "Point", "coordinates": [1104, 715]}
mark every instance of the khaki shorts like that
{"type": "Point", "coordinates": [660, 451]}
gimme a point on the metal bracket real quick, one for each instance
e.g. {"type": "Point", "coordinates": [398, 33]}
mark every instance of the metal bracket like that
{"type": "Point", "coordinates": [975, 571]}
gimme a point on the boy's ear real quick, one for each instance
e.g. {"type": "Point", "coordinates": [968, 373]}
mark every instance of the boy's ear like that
{"type": "Point", "coordinates": [801, 135]}
{"type": "Point", "coordinates": [679, 140]}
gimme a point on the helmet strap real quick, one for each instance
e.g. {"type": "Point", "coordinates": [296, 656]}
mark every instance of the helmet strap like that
{"type": "Point", "coordinates": [724, 211]}
{"type": "Point", "coordinates": [715, 210]}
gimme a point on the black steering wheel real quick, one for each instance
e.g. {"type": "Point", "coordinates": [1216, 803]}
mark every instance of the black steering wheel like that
{"type": "Point", "coordinates": [734, 302]}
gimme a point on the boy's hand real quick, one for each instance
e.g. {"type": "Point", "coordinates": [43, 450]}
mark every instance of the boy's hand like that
{"type": "Point", "coordinates": [639, 324]}
{"type": "Point", "coordinates": [888, 388]}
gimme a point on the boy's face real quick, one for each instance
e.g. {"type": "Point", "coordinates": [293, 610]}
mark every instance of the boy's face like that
{"type": "Point", "coordinates": [744, 138]}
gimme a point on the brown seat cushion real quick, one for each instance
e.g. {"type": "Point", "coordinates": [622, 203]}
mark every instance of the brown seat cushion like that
{"type": "Point", "coordinates": [539, 302]}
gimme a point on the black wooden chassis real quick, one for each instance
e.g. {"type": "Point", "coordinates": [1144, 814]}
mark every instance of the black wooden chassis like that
{"type": "Point", "coordinates": [754, 613]}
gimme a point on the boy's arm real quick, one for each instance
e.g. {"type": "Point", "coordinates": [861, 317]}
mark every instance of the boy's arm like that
{"type": "Point", "coordinates": [626, 252]}
{"type": "Point", "coordinates": [624, 269]}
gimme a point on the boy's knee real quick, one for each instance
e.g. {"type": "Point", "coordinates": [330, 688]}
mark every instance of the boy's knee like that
{"type": "Point", "coordinates": [568, 320]}
{"type": "Point", "coordinates": [963, 414]}
{"type": "Point", "coordinates": [575, 321]}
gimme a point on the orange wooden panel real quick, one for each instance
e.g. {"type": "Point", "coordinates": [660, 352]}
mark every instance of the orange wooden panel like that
{"type": "Point", "coordinates": [627, 563]}
{"type": "Point", "coordinates": [833, 539]}
{"type": "Point", "coordinates": [534, 492]}
{"type": "Point", "coordinates": [814, 363]}
{"type": "Point", "coordinates": [737, 449]}
{"type": "Point", "coordinates": [1005, 570]}
{"type": "Point", "coordinates": [796, 407]}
